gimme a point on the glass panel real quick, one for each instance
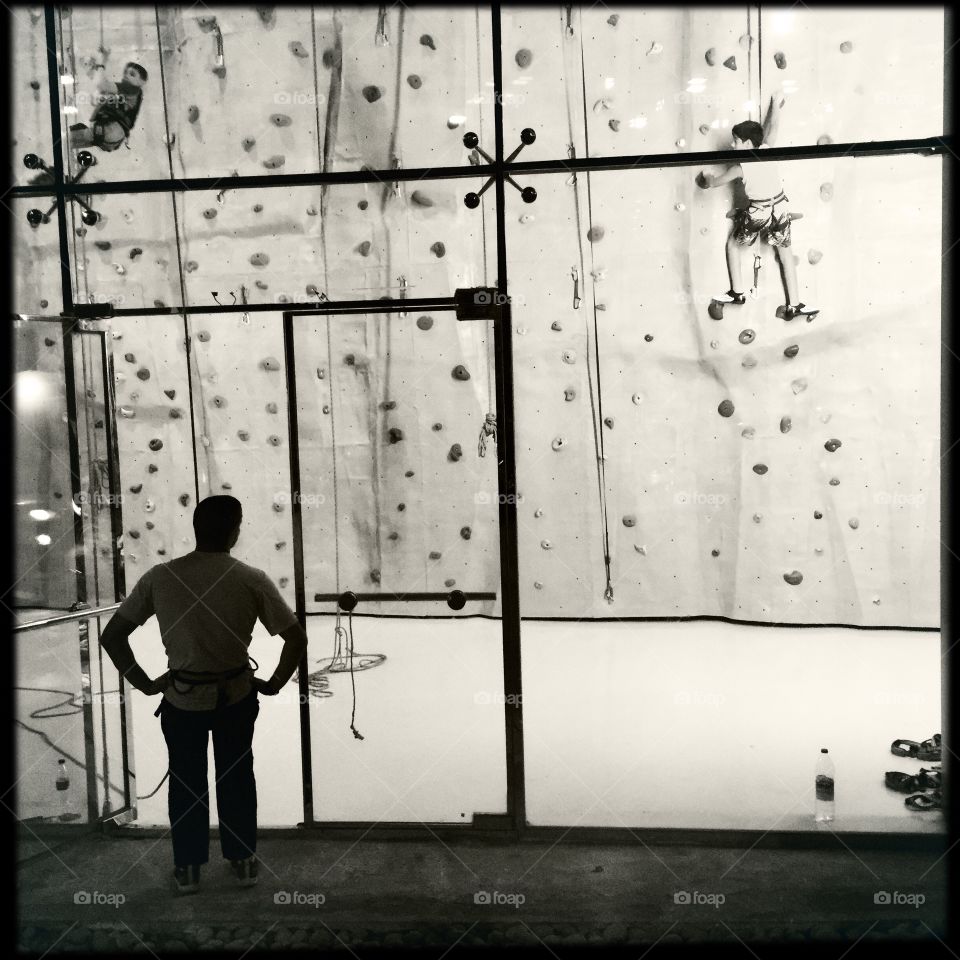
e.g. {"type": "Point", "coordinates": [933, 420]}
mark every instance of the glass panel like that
{"type": "Point", "coordinates": [46, 581]}
{"type": "Point", "coordinates": [37, 285]}
{"type": "Point", "coordinates": [377, 445]}
{"type": "Point", "coordinates": [129, 256]}
{"type": "Point", "coordinates": [50, 726]}
{"type": "Point", "coordinates": [111, 57]}
{"type": "Point", "coordinates": [30, 93]}
{"type": "Point", "coordinates": [289, 245]}
{"type": "Point", "coordinates": [722, 481]}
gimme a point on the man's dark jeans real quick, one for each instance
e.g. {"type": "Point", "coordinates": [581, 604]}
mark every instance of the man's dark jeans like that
{"type": "Point", "coordinates": [186, 734]}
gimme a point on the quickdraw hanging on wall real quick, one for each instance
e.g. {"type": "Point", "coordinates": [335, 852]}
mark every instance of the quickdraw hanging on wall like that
{"type": "Point", "coordinates": [489, 429]}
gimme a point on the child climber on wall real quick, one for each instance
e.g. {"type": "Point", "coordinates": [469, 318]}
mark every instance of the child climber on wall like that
{"type": "Point", "coordinates": [766, 216]}
{"type": "Point", "coordinates": [117, 107]}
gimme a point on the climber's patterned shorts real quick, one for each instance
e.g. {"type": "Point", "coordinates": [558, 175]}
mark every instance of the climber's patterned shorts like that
{"type": "Point", "coordinates": [765, 219]}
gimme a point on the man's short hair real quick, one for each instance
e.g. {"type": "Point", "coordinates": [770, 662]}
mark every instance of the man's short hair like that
{"type": "Point", "coordinates": [215, 518]}
{"type": "Point", "coordinates": [139, 69]}
{"type": "Point", "coordinates": [748, 130]}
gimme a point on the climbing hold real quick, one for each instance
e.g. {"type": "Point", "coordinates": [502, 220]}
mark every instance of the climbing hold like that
{"type": "Point", "coordinates": [149, 506]}
{"type": "Point", "coordinates": [524, 58]}
{"type": "Point", "coordinates": [824, 139]}
{"type": "Point", "coordinates": [466, 533]}
{"type": "Point", "coordinates": [747, 433]}
{"type": "Point", "coordinates": [210, 213]}
{"type": "Point", "coordinates": [730, 63]}
{"type": "Point", "coordinates": [155, 444]}
{"type": "Point", "coordinates": [648, 337]}
{"type": "Point", "coordinates": [176, 413]}
{"type": "Point", "coordinates": [414, 81]}
{"type": "Point", "coordinates": [569, 356]}
{"type": "Point", "coordinates": [655, 48]}
{"type": "Point", "coordinates": [569, 394]}
{"type": "Point", "coordinates": [792, 350]}
{"type": "Point", "coordinates": [136, 488]}
{"type": "Point", "coordinates": [817, 515]}
{"type": "Point", "coordinates": [814, 257]}
{"type": "Point", "coordinates": [190, 266]}
{"type": "Point", "coordinates": [375, 576]}
{"type": "Point", "coordinates": [854, 523]}
{"type": "Point", "coordinates": [680, 144]}
{"type": "Point", "coordinates": [704, 129]}
{"type": "Point", "coordinates": [421, 199]}
{"type": "Point", "coordinates": [613, 19]}
{"type": "Point", "coordinates": [785, 424]}
{"type": "Point", "coordinates": [726, 408]}
{"type": "Point", "coordinates": [372, 93]}
{"type": "Point", "coordinates": [748, 361]}
{"type": "Point", "coordinates": [203, 336]}
{"type": "Point", "coordinates": [434, 554]}
{"type": "Point", "coordinates": [546, 544]}
{"type": "Point", "coordinates": [460, 372]}
{"type": "Point", "coordinates": [260, 285]}
{"type": "Point", "coordinates": [427, 41]}
{"type": "Point", "coordinates": [274, 440]}
{"type": "Point", "coordinates": [135, 252]}
{"type": "Point", "coordinates": [556, 325]}
{"type": "Point", "coordinates": [557, 443]}
{"type": "Point", "coordinates": [102, 244]}
{"type": "Point", "coordinates": [424, 323]}
{"type": "Point", "coordinates": [193, 113]}
{"type": "Point", "coordinates": [714, 344]}
{"type": "Point", "coordinates": [277, 160]}
{"type": "Point", "coordinates": [438, 249]}
{"type": "Point", "coordinates": [757, 517]}
{"type": "Point", "coordinates": [538, 512]}
{"type": "Point", "coordinates": [711, 56]}
{"type": "Point", "coordinates": [629, 520]}
{"type": "Point", "coordinates": [259, 259]}
{"type": "Point", "coordinates": [395, 434]}
{"type": "Point", "coordinates": [311, 211]}
{"type": "Point", "coordinates": [760, 468]}
{"type": "Point", "coordinates": [129, 357]}
{"type": "Point", "coordinates": [278, 508]}
{"type": "Point", "coordinates": [127, 412]}
{"type": "Point", "coordinates": [364, 248]}
{"type": "Point", "coordinates": [794, 578]}
{"type": "Point", "coordinates": [133, 534]}
{"type": "Point", "coordinates": [143, 373]}
{"type": "Point", "coordinates": [449, 583]}
{"type": "Point", "coordinates": [826, 191]}
{"type": "Point", "coordinates": [832, 446]}
{"type": "Point", "coordinates": [248, 143]}
{"type": "Point", "coordinates": [388, 405]}
{"type": "Point", "coordinates": [280, 120]}
{"type": "Point", "coordinates": [637, 398]}
{"type": "Point", "coordinates": [799, 385]}
{"type": "Point", "coordinates": [298, 49]}
{"type": "Point", "coordinates": [456, 452]}
{"type": "Point", "coordinates": [614, 125]}
{"type": "Point", "coordinates": [270, 363]}
{"type": "Point", "coordinates": [184, 499]}
{"type": "Point", "coordinates": [438, 427]}
{"type": "Point", "coordinates": [608, 422]}
{"type": "Point", "coordinates": [595, 234]}
{"type": "Point", "coordinates": [747, 336]}
{"type": "Point", "coordinates": [152, 468]}
{"type": "Point", "coordinates": [714, 552]}
{"type": "Point", "coordinates": [780, 59]}
{"type": "Point", "coordinates": [846, 46]}
{"type": "Point", "coordinates": [350, 360]}
{"type": "Point", "coordinates": [453, 123]}
{"type": "Point", "coordinates": [219, 402]}
{"type": "Point", "coordinates": [745, 41]}
{"type": "Point", "coordinates": [362, 204]}
{"type": "Point", "coordinates": [171, 394]}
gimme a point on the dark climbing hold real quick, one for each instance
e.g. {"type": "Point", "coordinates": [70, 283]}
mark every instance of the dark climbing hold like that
{"type": "Point", "coordinates": [648, 337]}
{"type": "Point", "coordinates": [243, 435]}
{"type": "Point", "coordinates": [136, 488]}
{"type": "Point", "coordinates": [832, 445]}
{"type": "Point", "coordinates": [34, 84]}
{"type": "Point", "coordinates": [613, 19]}
{"type": "Point", "coordinates": [401, 507]}
{"type": "Point", "coordinates": [133, 534]}
{"type": "Point", "coordinates": [274, 162]}
{"type": "Point", "coordinates": [331, 57]}
{"type": "Point", "coordinates": [210, 213]}
{"type": "Point", "coordinates": [817, 515]}
{"type": "Point", "coordinates": [792, 350]}
{"type": "Point", "coordinates": [375, 576]}
{"type": "Point", "coordinates": [629, 520]}
{"type": "Point", "coordinates": [569, 394]}
{"type": "Point", "coordinates": [298, 49]}
{"type": "Point", "coordinates": [135, 252]}
{"type": "Point", "coordinates": [421, 199]}
{"type": "Point", "coordinates": [834, 481]}
{"type": "Point", "coordinates": [102, 244]}
{"type": "Point", "coordinates": [149, 524]}
{"type": "Point", "coordinates": [595, 234]}
{"type": "Point", "coordinates": [456, 452]}
{"type": "Point", "coordinates": [466, 533]}
{"type": "Point", "coordinates": [156, 444]}
{"type": "Point", "coordinates": [438, 249]}
{"type": "Point", "coordinates": [248, 143]}
{"type": "Point", "coordinates": [424, 323]}
{"type": "Point", "coordinates": [437, 427]}
{"type": "Point", "coordinates": [143, 373]}
{"type": "Point", "coordinates": [460, 372]}
{"type": "Point", "coordinates": [608, 422]}
{"type": "Point", "coordinates": [274, 440]}
{"type": "Point", "coordinates": [152, 467]}
{"type": "Point", "coordinates": [434, 554]}
{"type": "Point", "coordinates": [362, 204]}
{"type": "Point", "coordinates": [350, 360]}
{"type": "Point", "coordinates": [760, 468]}
{"type": "Point", "coordinates": [280, 120]}
{"type": "Point", "coordinates": [427, 41]}
{"type": "Point", "coordinates": [524, 58]}
{"type": "Point", "coordinates": [176, 413]}
{"type": "Point", "coordinates": [388, 405]}
{"type": "Point", "coordinates": [794, 578]}
{"type": "Point", "coordinates": [726, 408]}
{"type": "Point", "coordinates": [130, 357]}
{"type": "Point", "coordinates": [259, 259]}
{"type": "Point", "coordinates": [184, 499]}
{"type": "Point", "coordinates": [203, 336]}
{"type": "Point", "coordinates": [408, 473]}
{"type": "Point", "coordinates": [414, 81]}
{"type": "Point", "coordinates": [747, 336]}
{"type": "Point", "coordinates": [171, 394]}
{"type": "Point", "coordinates": [219, 402]}
{"type": "Point", "coordinates": [393, 536]}
{"type": "Point", "coordinates": [730, 63]}
{"type": "Point", "coordinates": [193, 113]}
{"type": "Point", "coordinates": [270, 363]}
{"type": "Point", "coordinates": [364, 248]}
{"type": "Point", "coordinates": [785, 424]}
{"type": "Point", "coordinates": [780, 59]}
{"type": "Point", "coordinates": [372, 93]}
{"type": "Point", "coordinates": [714, 553]}
{"type": "Point", "coordinates": [711, 56]}
{"type": "Point", "coordinates": [395, 434]}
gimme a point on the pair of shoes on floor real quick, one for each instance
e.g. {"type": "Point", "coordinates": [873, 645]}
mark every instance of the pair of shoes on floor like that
{"type": "Point", "coordinates": [187, 878]}
{"type": "Point", "coordinates": [245, 871]}
{"type": "Point", "coordinates": [926, 779]}
{"type": "Point", "coordinates": [931, 749]}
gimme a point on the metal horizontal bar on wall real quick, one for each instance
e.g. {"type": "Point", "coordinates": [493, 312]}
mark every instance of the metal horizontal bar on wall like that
{"type": "Point", "coordinates": [401, 597]}
{"type": "Point", "coordinates": [313, 307]}
{"type": "Point", "coordinates": [926, 145]}
{"type": "Point", "coordinates": [64, 618]}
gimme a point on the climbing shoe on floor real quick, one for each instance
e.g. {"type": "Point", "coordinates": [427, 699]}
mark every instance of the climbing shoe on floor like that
{"type": "Point", "coordinates": [925, 801]}
{"type": "Point", "coordinates": [245, 871]}
{"type": "Point", "coordinates": [928, 750]}
{"type": "Point", "coordinates": [187, 879]}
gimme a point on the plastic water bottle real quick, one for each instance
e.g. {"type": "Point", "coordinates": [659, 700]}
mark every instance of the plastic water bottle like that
{"type": "Point", "coordinates": [63, 789]}
{"type": "Point", "coordinates": [823, 805]}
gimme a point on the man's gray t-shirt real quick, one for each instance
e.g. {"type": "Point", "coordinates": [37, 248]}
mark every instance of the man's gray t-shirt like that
{"type": "Point", "coordinates": [206, 605]}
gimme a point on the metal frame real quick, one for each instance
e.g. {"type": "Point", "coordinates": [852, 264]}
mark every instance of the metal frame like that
{"type": "Point", "coordinates": [499, 170]}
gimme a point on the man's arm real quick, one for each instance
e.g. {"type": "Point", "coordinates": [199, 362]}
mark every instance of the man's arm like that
{"type": "Point", "coordinates": [733, 172]}
{"type": "Point", "coordinates": [294, 647]}
{"type": "Point", "coordinates": [115, 640]}
{"type": "Point", "coordinates": [772, 124]}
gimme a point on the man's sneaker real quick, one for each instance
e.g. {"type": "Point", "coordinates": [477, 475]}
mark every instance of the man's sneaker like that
{"type": "Point", "coordinates": [245, 871]}
{"type": "Point", "coordinates": [187, 879]}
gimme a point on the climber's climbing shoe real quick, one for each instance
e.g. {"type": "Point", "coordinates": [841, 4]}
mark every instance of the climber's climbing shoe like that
{"type": "Point", "coordinates": [928, 750]}
{"type": "Point", "coordinates": [903, 782]}
{"type": "Point", "coordinates": [729, 298]}
{"type": "Point", "coordinates": [792, 311]}
{"type": "Point", "coordinates": [930, 779]}
{"type": "Point", "coordinates": [904, 748]}
{"type": "Point", "coordinates": [925, 801]}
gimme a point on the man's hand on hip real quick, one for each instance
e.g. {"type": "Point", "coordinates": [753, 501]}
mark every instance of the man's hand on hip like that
{"type": "Point", "coordinates": [264, 686]}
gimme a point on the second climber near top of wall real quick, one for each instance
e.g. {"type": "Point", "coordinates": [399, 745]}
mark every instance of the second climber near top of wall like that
{"type": "Point", "coordinates": [117, 107]}
{"type": "Point", "coordinates": [765, 217]}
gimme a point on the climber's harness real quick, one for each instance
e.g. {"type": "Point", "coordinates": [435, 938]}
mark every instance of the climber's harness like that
{"type": "Point", "coordinates": [196, 678]}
